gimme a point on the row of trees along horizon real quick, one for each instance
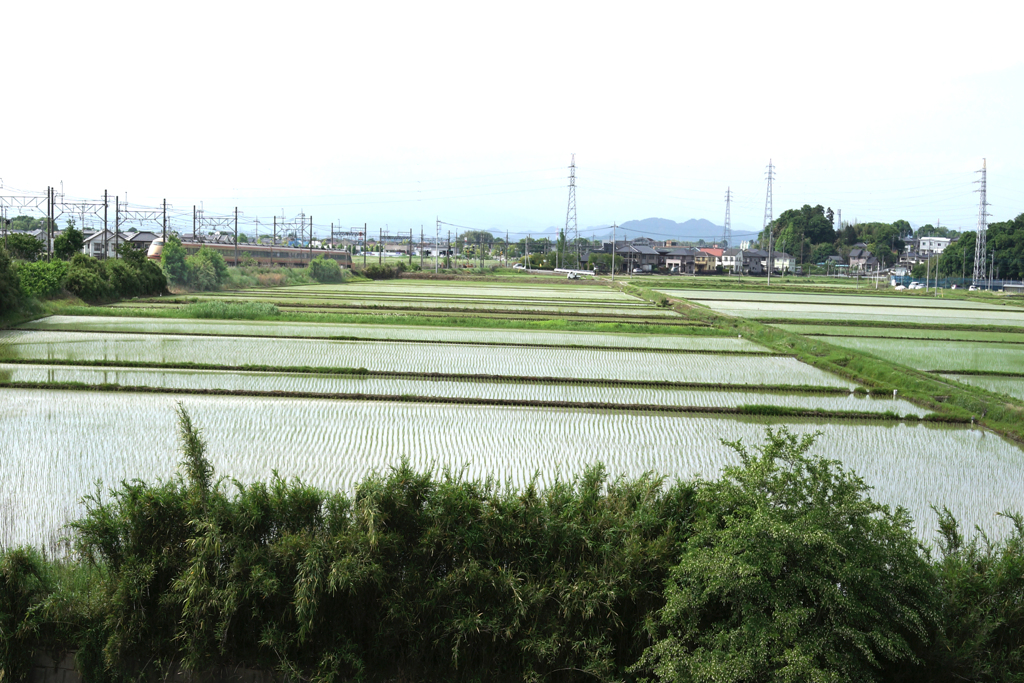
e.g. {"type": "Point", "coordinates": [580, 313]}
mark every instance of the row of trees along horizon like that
{"type": "Point", "coordinates": [808, 234]}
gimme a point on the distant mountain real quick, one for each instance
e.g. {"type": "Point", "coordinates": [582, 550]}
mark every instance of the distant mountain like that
{"type": "Point", "coordinates": [667, 229]}
{"type": "Point", "coordinates": [659, 229]}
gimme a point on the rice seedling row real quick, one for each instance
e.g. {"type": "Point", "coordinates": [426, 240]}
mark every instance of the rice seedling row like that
{"type": "Point", "coordinates": [55, 445]}
{"type": "Point", "coordinates": [939, 355]}
{"type": "Point", "coordinates": [411, 357]}
{"type": "Point", "coordinates": [263, 382]}
{"type": "Point", "coordinates": [390, 333]}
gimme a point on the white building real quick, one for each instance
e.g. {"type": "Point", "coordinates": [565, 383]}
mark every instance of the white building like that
{"type": "Point", "coordinates": [929, 246]}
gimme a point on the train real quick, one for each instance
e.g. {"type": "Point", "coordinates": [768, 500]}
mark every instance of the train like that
{"type": "Point", "coordinates": [266, 256]}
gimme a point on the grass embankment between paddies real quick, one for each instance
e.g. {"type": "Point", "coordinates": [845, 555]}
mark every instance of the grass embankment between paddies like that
{"type": "Point", "coordinates": [955, 401]}
{"type": "Point", "coordinates": [758, 410]}
{"type": "Point", "coordinates": [316, 370]}
{"type": "Point", "coordinates": [36, 309]}
{"type": "Point", "coordinates": [553, 323]}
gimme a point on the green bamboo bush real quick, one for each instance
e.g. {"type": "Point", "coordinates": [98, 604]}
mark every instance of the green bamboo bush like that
{"type": "Point", "coordinates": [781, 570]}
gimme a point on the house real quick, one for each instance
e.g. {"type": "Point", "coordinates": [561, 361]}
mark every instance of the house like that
{"type": "Point", "coordinates": [715, 254]}
{"type": "Point", "coordinates": [755, 261]}
{"type": "Point", "coordinates": [103, 244]}
{"type": "Point", "coordinates": [862, 259]}
{"type": "Point", "coordinates": [930, 246]}
{"type": "Point", "coordinates": [142, 240]}
{"type": "Point", "coordinates": [639, 256]}
{"type": "Point", "coordinates": [681, 260]}
{"type": "Point", "coordinates": [704, 262]}
{"type": "Point", "coordinates": [783, 262]}
{"type": "Point", "coordinates": [732, 260]}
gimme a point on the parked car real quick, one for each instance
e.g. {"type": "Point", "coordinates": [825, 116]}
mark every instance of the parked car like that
{"type": "Point", "coordinates": [519, 266]}
{"type": "Point", "coordinates": [638, 271]}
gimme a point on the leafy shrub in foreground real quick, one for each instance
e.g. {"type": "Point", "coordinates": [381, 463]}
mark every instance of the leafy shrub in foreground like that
{"type": "Point", "coordinates": [42, 279]}
{"type": "Point", "coordinates": [325, 270]}
{"type": "Point", "coordinates": [793, 574]}
{"type": "Point", "coordinates": [10, 287]}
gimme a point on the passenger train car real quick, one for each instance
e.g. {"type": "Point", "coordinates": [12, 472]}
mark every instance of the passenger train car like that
{"type": "Point", "coordinates": [266, 256]}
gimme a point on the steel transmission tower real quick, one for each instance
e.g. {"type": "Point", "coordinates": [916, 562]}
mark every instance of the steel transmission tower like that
{"type": "Point", "coordinates": [727, 231]}
{"type": "Point", "coordinates": [770, 174]}
{"type": "Point", "coordinates": [570, 214]}
{"type": "Point", "coordinates": [979, 244]}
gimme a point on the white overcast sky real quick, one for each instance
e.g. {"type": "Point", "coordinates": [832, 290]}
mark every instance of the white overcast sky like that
{"type": "Point", "coordinates": [401, 113]}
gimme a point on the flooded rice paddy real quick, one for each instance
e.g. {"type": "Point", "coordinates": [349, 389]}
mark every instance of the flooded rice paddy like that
{"type": "Point", "coordinates": [925, 354]}
{"type": "Point", "coordinates": [1011, 386]}
{"type": "Point", "coordinates": [203, 380]}
{"type": "Point", "coordinates": [55, 445]}
{"type": "Point", "coordinates": [390, 333]}
{"type": "Point", "coordinates": [409, 357]}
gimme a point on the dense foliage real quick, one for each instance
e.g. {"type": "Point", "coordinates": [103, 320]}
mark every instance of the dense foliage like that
{"type": "Point", "coordinates": [203, 271]}
{"type": "Point", "coordinates": [10, 288]}
{"type": "Point", "coordinates": [325, 270]}
{"type": "Point", "coordinates": [69, 242]}
{"type": "Point", "coordinates": [41, 279]}
{"type": "Point", "coordinates": [24, 247]}
{"type": "Point", "coordinates": [793, 574]}
{"type": "Point", "coordinates": [782, 570]}
{"type": "Point", "coordinates": [383, 272]}
{"type": "Point", "coordinates": [1005, 239]}
{"type": "Point", "coordinates": [129, 276]}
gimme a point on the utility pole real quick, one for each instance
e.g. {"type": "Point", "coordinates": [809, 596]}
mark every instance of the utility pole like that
{"type": "Point", "coordinates": [310, 238]}
{"type": "Point", "coordinates": [421, 246]}
{"type": "Point", "coordinates": [49, 210]}
{"type": "Point", "coordinates": [273, 242]}
{"type": "Point", "coordinates": [614, 226]}
{"type": "Point", "coordinates": [380, 247]}
{"type": "Point", "coordinates": [437, 240]}
{"type": "Point", "coordinates": [448, 250]}
{"type": "Point", "coordinates": [364, 246]}
{"type": "Point", "coordinates": [165, 221]}
{"type": "Point", "coordinates": [979, 243]}
{"type": "Point", "coordinates": [410, 248]}
{"type": "Point", "coordinates": [194, 236]}
{"type": "Point", "coordinates": [117, 224]}
{"type": "Point", "coordinates": [106, 233]}
{"type": "Point", "coordinates": [768, 217]}
{"type": "Point", "coordinates": [727, 230]}
{"type": "Point", "coordinates": [236, 237]}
